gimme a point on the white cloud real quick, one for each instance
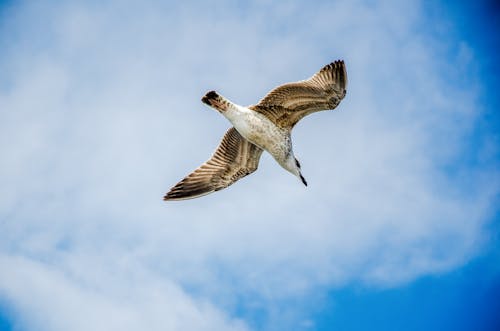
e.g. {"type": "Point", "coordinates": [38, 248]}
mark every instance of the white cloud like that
{"type": "Point", "coordinates": [91, 294]}
{"type": "Point", "coordinates": [100, 115]}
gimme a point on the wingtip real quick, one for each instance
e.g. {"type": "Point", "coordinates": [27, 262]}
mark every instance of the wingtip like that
{"type": "Point", "coordinates": [167, 197]}
{"type": "Point", "coordinates": [339, 66]}
{"type": "Point", "coordinates": [176, 194]}
{"type": "Point", "coordinates": [335, 64]}
{"type": "Point", "coordinates": [181, 196]}
{"type": "Point", "coordinates": [175, 197]}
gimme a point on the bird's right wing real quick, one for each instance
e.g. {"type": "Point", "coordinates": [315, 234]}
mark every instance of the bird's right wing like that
{"type": "Point", "coordinates": [234, 158]}
{"type": "Point", "coordinates": [286, 104]}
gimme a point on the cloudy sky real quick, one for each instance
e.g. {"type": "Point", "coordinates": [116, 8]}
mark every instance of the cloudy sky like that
{"type": "Point", "coordinates": [100, 115]}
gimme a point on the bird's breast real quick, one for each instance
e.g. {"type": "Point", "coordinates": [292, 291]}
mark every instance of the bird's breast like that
{"type": "Point", "coordinates": [260, 131]}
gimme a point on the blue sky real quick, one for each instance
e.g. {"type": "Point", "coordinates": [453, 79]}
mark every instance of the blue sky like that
{"type": "Point", "coordinates": [100, 115]}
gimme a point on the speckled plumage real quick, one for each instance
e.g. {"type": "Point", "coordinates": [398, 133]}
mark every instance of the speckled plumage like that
{"type": "Point", "coordinates": [266, 126]}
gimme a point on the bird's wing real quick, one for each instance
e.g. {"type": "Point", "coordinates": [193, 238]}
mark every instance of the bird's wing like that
{"type": "Point", "coordinates": [234, 158]}
{"type": "Point", "coordinates": [285, 105]}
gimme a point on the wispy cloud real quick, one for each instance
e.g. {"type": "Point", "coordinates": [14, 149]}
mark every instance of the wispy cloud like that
{"type": "Point", "coordinates": [100, 114]}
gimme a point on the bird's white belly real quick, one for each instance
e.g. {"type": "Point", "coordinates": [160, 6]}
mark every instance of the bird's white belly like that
{"type": "Point", "coordinates": [260, 131]}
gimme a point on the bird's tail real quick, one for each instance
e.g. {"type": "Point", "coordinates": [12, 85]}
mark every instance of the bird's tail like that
{"type": "Point", "coordinates": [214, 100]}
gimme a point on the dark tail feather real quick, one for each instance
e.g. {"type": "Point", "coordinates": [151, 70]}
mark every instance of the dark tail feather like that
{"type": "Point", "coordinates": [212, 95]}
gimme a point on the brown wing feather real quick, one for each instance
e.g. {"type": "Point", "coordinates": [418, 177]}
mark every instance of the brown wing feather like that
{"type": "Point", "coordinates": [234, 158]}
{"type": "Point", "coordinates": [287, 104]}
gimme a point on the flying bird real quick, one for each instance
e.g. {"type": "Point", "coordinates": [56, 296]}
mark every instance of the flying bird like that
{"type": "Point", "coordinates": [267, 126]}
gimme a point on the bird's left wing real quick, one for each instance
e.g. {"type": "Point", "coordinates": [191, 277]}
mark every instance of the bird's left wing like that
{"type": "Point", "coordinates": [234, 158]}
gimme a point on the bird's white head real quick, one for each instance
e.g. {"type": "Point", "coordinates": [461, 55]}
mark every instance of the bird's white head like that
{"type": "Point", "coordinates": [293, 166]}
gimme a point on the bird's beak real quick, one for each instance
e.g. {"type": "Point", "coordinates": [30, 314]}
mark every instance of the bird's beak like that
{"type": "Point", "coordinates": [303, 179]}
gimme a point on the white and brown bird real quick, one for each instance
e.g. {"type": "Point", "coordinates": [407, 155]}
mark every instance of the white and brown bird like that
{"type": "Point", "coordinates": [264, 126]}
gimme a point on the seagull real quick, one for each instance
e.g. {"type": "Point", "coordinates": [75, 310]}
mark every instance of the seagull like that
{"type": "Point", "coordinates": [267, 126]}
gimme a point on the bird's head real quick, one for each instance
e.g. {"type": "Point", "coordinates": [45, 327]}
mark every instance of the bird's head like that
{"type": "Point", "coordinates": [293, 166]}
